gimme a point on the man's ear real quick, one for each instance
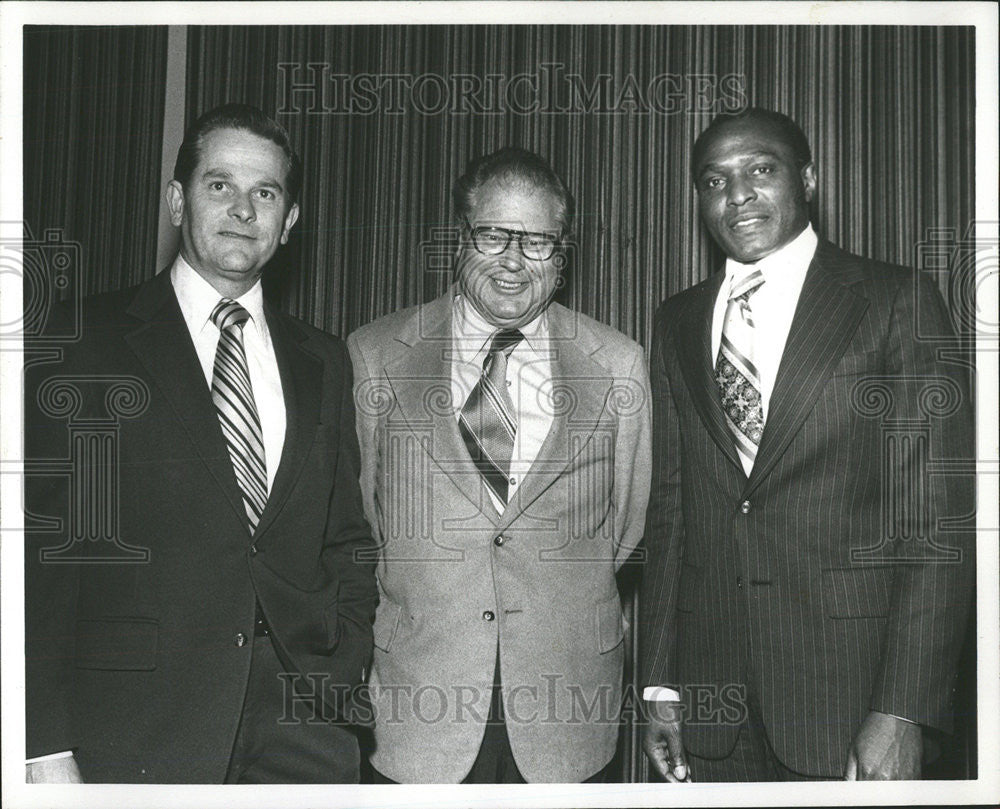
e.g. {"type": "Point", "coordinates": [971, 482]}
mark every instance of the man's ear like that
{"type": "Point", "coordinates": [290, 219]}
{"type": "Point", "coordinates": [175, 202]}
{"type": "Point", "coordinates": [809, 180]}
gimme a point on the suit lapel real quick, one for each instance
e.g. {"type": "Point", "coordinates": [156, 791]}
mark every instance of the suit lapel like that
{"type": "Point", "coordinates": [420, 377]}
{"type": "Point", "coordinates": [163, 344]}
{"type": "Point", "coordinates": [693, 338]}
{"type": "Point", "coordinates": [580, 388]}
{"type": "Point", "coordinates": [301, 380]}
{"type": "Point", "coordinates": [826, 317]}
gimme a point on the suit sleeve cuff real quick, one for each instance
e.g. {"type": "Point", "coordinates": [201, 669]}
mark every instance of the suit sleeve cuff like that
{"type": "Point", "coordinates": [660, 693]}
{"type": "Point", "coordinates": [50, 757]}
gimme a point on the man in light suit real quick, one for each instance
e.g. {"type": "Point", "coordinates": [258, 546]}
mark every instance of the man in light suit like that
{"type": "Point", "coordinates": [804, 590]}
{"type": "Point", "coordinates": [505, 464]}
{"type": "Point", "coordinates": [216, 633]}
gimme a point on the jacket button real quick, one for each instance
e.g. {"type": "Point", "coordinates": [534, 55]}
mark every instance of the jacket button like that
{"type": "Point", "coordinates": [739, 582]}
{"type": "Point", "coordinates": [745, 507]}
{"type": "Point", "coordinates": [488, 615]}
{"type": "Point", "coordinates": [240, 639]}
{"type": "Point", "coordinates": [253, 550]}
{"type": "Point", "coordinates": [498, 540]}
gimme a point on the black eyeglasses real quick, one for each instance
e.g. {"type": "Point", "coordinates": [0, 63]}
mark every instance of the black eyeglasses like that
{"type": "Point", "coordinates": [492, 241]}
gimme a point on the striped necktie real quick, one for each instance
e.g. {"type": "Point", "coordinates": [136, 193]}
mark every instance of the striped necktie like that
{"type": "Point", "coordinates": [487, 421]}
{"type": "Point", "coordinates": [736, 370]}
{"type": "Point", "coordinates": [234, 402]}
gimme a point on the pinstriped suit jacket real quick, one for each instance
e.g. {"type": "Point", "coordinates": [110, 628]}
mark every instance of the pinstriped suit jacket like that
{"type": "Point", "coordinates": [826, 582]}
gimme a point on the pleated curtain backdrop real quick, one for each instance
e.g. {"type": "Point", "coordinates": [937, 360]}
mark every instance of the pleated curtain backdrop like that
{"type": "Point", "coordinates": [93, 129]}
{"type": "Point", "coordinates": [889, 113]}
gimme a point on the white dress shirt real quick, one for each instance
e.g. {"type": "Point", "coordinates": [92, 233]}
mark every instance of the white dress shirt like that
{"type": "Point", "coordinates": [529, 382]}
{"type": "Point", "coordinates": [197, 299]}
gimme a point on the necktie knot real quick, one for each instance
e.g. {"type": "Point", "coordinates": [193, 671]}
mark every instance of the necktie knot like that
{"type": "Point", "coordinates": [744, 287]}
{"type": "Point", "coordinates": [504, 341]}
{"type": "Point", "coordinates": [228, 312]}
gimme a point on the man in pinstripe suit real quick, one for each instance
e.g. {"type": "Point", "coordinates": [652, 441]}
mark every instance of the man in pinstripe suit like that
{"type": "Point", "coordinates": [804, 606]}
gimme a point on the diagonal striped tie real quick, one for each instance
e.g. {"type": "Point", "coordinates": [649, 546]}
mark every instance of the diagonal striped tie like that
{"type": "Point", "coordinates": [736, 371]}
{"type": "Point", "coordinates": [234, 402]}
{"type": "Point", "coordinates": [487, 421]}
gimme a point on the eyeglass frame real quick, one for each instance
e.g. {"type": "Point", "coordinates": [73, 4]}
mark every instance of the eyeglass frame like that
{"type": "Point", "coordinates": [512, 233]}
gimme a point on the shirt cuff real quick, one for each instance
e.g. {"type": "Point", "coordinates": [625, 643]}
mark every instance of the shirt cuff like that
{"type": "Point", "coordinates": [659, 693]}
{"type": "Point", "coordinates": [50, 757]}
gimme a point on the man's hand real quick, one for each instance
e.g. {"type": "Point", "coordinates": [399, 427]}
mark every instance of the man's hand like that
{"type": "Point", "coordinates": [886, 749]}
{"type": "Point", "coordinates": [661, 740]}
{"type": "Point", "coordinates": [54, 771]}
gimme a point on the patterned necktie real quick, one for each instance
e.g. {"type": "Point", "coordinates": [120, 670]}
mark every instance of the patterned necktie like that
{"type": "Point", "coordinates": [234, 402]}
{"type": "Point", "coordinates": [736, 371]}
{"type": "Point", "coordinates": [487, 420]}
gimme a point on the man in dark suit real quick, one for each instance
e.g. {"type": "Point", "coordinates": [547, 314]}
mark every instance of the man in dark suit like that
{"type": "Point", "coordinates": [216, 631]}
{"type": "Point", "coordinates": [802, 590]}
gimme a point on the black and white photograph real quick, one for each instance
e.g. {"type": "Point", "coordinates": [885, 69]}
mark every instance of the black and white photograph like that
{"type": "Point", "coordinates": [499, 404]}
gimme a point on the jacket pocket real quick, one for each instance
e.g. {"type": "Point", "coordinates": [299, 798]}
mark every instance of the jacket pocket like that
{"type": "Point", "coordinates": [117, 644]}
{"type": "Point", "coordinates": [386, 622]}
{"type": "Point", "coordinates": [864, 363]}
{"type": "Point", "coordinates": [858, 592]}
{"type": "Point", "coordinates": [610, 624]}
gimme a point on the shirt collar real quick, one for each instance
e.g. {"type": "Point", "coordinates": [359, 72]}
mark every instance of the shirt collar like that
{"type": "Point", "coordinates": [472, 333]}
{"type": "Point", "coordinates": [793, 258]}
{"type": "Point", "coordinates": [197, 299]}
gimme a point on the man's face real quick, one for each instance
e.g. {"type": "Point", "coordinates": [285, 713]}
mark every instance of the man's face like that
{"type": "Point", "coordinates": [235, 210]}
{"type": "Point", "coordinates": [508, 289]}
{"type": "Point", "coordinates": [752, 196]}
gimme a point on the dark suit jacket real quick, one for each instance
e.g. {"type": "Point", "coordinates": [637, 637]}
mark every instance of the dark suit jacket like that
{"type": "Point", "coordinates": [137, 664]}
{"type": "Point", "coordinates": [827, 582]}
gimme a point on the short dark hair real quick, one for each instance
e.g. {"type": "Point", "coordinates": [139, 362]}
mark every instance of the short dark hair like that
{"type": "Point", "coordinates": [512, 164]}
{"type": "Point", "coordinates": [785, 127]}
{"type": "Point", "coordinates": [237, 116]}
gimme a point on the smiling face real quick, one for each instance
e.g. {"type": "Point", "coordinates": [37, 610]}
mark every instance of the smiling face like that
{"type": "Point", "coordinates": [509, 290]}
{"type": "Point", "coordinates": [235, 210]}
{"type": "Point", "coordinates": [753, 197]}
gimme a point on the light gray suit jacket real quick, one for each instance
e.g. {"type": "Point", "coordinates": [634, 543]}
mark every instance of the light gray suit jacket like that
{"type": "Point", "coordinates": [458, 580]}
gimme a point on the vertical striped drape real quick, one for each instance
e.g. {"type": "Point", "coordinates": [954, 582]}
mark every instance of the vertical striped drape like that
{"type": "Point", "coordinates": [93, 128]}
{"type": "Point", "coordinates": [384, 129]}
{"type": "Point", "coordinates": [888, 111]}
